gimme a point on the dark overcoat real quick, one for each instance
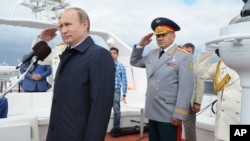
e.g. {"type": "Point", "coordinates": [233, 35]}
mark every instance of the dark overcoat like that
{"type": "Point", "coordinates": [83, 94]}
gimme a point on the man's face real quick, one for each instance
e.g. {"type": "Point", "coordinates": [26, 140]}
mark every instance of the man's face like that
{"type": "Point", "coordinates": [72, 31]}
{"type": "Point", "coordinates": [164, 40]}
{"type": "Point", "coordinates": [114, 54]}
{"type": "Point", "coordinates": [189, 49]}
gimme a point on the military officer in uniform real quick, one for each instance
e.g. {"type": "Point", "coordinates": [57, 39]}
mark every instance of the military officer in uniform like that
{"type": "Point", "coordinates": [226, 87]}
{"type": "Point", "coordinates": [170, 79]}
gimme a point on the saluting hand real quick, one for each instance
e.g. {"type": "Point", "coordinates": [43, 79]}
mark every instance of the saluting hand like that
{"type": "Point", "coordinates": [48, 34]}
{"type": "Point", "coordinates": [146, 39]}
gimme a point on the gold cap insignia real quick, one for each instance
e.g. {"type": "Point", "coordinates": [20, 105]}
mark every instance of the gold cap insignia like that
{"type": "Point", "coordinates": [157, 21]}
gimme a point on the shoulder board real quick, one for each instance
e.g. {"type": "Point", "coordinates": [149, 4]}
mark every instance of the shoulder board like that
{"type": "Point", "coordinates": [182, 50]}
{"type": "Point", "coordinates": [156, 49]}
{"type": "Point", "coordinates": [59, 44]}
{"type": "Point", "coordinates": [171, 51]}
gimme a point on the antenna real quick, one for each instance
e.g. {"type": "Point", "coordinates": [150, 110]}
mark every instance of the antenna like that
{"type": "Point", "coordinates": [47, 8]}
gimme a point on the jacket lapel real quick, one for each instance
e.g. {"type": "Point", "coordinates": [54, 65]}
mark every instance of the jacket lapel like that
{"type": "Point", "coordinates": [161, 61]}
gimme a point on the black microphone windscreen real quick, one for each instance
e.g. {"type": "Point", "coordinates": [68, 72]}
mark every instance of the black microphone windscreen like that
{"type": "Point", "coordinates": [38, 45]}
{"type": "Point", "coordinates": [43, 52]}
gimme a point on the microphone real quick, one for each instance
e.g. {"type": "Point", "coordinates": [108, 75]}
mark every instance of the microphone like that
{"type": "Point", "coordinates": [42, 53]}
{"type": "Point", "coordinates": [36, 47]}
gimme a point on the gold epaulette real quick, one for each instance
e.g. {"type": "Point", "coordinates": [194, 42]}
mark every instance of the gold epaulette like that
{"type": "Point", "coordinates": [171, 51]}
{"type": "Point", "coordinates": [182, 50]}
{"type": "Point", "coordinates": [60, 44]}
{"type": "Point", "coordinates": [157, 49]}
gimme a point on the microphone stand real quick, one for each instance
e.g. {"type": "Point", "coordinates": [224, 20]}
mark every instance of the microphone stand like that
{"type": "Point", "coordinates": [34, 60]}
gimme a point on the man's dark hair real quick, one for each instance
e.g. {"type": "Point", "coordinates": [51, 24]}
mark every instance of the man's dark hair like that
{"type": "Point", "coordinates": [217, 52]}
{"type": "Point", "coordinates": [82, 15]}
{"type": "Point", "coordinates": [115, 49]}
{"type": "Point", "coordinates": [189, 45]}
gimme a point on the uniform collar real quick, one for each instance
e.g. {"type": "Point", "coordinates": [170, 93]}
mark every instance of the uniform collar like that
{"type": "Point", "coordinates": [167, 48]}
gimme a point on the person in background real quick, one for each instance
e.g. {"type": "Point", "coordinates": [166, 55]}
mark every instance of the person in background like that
{"type": "Point", "coordinates": [195, 105]}
{"type": "Point", "coordinates": [54, 58]}
{"type": "Point", "coordinates": [170, 79]}
{"type": "Point", "coordinates": [36, 80]}
{"type": "Point", "coordinates": [3, 107]}
{"type": "Point", "coordinates": [226, 87]}
{"type": "Point", "coordinates": [120, 83]}
{"type": "Point", "coordinates": [84, 82]}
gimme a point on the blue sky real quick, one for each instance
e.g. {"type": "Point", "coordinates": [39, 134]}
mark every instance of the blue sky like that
{"type": "Point", "coordinates": [200, 21]}
{"type": "Point", "coordinates": [189, 2]}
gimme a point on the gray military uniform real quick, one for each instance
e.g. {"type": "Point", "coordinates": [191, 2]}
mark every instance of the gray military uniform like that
{"type": "Point", "coordinates": [170, 82]}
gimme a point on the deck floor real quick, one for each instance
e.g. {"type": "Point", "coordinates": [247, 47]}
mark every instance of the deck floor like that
{"type": "Point", "coordinates": [134, 137]}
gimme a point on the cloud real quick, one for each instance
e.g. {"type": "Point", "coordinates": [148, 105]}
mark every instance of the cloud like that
{"type": "Point", "coordinates": [200, 20]}
{"type": "Point", "coordinates": [131, 19]}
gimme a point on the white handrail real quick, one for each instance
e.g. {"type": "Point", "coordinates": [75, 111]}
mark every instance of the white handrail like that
{"type": "Point", "coordinates": [214, 43]}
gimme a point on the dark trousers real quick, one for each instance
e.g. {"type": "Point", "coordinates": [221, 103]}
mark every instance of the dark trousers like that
{"type": "Point", "coordinates": [190, 126]}
{"type": "Point", "coordinates": [161, 131]}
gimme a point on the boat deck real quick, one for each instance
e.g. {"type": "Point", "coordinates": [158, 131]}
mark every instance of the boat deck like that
{"type": "Point", "coordinates": [134, 137]}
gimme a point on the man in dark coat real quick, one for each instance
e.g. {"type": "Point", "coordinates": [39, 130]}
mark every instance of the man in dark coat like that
{"type": "Point", "coordinates": [84, 82]}
{"type": "Point", "coordinates": [3, 107]}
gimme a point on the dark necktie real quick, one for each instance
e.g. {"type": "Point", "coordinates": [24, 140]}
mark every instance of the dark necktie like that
{"type": "Point", "coordinates": [68, 48]}
{"type": "Point", "coordinates": [162, 51]}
